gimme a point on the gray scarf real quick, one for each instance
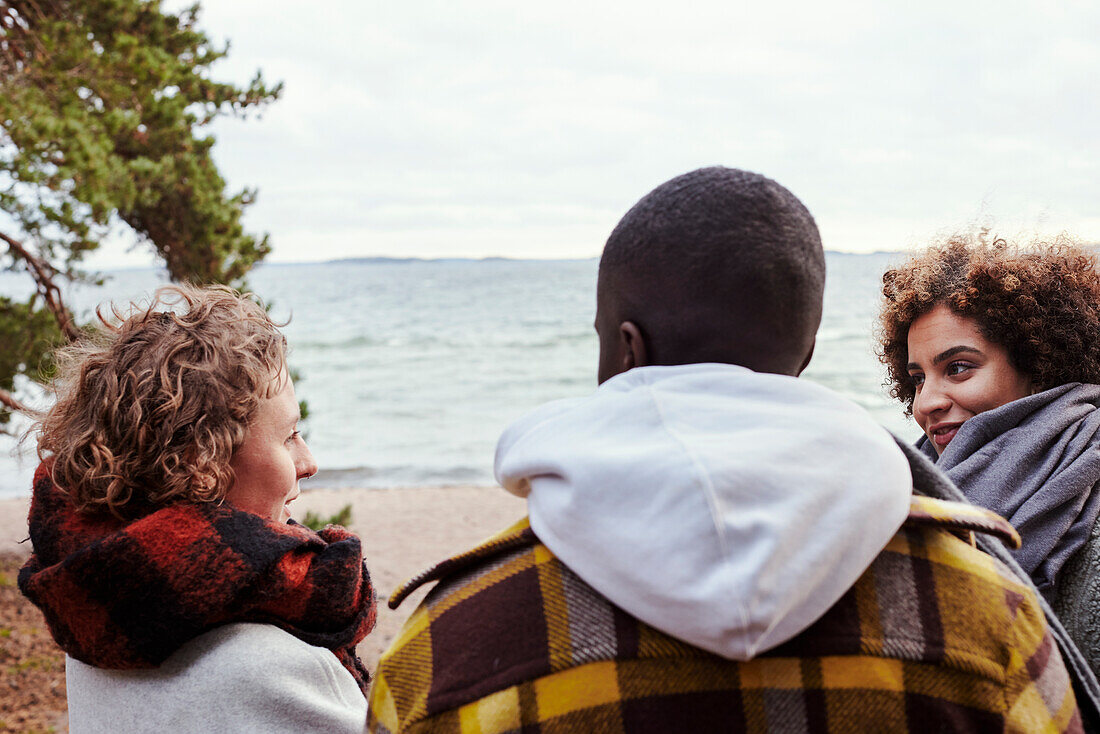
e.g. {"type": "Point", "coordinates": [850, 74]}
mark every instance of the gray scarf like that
{"type": "Point", "coordinates": [1036, 462]}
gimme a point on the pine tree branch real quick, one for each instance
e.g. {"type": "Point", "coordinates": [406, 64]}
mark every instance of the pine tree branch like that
{"type": "Point", "coordinates": [42, 273]}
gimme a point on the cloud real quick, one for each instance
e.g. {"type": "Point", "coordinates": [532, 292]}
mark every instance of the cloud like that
{"type": "Point", "coordinates": [413, 129]}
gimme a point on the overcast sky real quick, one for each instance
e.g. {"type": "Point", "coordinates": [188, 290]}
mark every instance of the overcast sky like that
{"type": "Point", "coordinates": [437, 129]}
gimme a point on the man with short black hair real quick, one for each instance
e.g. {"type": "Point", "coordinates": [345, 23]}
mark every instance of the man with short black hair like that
{"type": "Point", "coordinates": [719, 265]}
{"type": "Point", "coordinates": [712, 543]}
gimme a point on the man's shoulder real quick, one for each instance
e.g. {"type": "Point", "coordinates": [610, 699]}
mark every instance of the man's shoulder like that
{"type": "Point", "coordinates": [503, 613]}
{"type": "Point", "coordinates": [509, 616]}
{"type": "Point", "coordinates": [931, 596]}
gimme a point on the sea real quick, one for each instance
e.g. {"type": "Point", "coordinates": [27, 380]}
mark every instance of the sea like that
{"type": "Point", "coordinates": [411, 369]}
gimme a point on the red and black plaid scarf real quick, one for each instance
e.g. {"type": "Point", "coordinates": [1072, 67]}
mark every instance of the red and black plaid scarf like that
{"type": "Point", "coordinates": [120, 594]}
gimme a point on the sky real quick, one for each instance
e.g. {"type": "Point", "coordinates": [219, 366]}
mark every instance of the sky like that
{"type": "Point", "coordinates": [485, 128]}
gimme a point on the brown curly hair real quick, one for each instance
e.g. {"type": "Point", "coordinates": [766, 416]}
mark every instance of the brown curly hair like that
{"type": "Point", "coordinates": [1040, 301]}
{"type": "Point", "coordinates": [153, 403]}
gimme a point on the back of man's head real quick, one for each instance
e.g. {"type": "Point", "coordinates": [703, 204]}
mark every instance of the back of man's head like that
{"type": "Point", "coordinates": [716, 265]}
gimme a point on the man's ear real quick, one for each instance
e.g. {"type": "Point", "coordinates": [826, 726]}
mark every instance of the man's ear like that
{"type": "Point", "coordinates": [809, 356]}
{"type": "Point", "coordinates": [633, 350]}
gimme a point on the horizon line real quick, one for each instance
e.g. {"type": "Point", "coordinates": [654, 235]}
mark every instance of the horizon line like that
{"type": "Point", "coordinates": [494, 258]}
{"type": "Point", "coordinates": [456, 258]}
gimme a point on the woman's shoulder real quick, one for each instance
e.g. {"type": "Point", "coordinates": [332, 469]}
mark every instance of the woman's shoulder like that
{"type": "Point", "coordinates": [249, 644]}
{"type": "Point", "coordinates": [237, 676]}
{"type": "Point", "coordinates": [248, 647]}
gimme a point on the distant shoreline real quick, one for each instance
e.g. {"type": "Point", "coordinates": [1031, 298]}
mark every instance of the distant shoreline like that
{"type": "Point", "coordinates": [387, 259]}
{"type": "Point", "coordinates": [394, 260]}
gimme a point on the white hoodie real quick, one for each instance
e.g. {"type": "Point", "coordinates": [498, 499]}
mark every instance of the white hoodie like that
{"type": "Point", "coordinates": [727, 508]}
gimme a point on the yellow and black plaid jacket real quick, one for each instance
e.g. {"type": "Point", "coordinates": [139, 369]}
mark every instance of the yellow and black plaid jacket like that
{"type": "Point", "coordinates": [935, 636]}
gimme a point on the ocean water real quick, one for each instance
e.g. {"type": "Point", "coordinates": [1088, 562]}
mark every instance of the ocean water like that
{"type": "Point", "coordinates": [412, 369]}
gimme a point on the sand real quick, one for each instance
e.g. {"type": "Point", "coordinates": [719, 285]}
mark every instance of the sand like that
{"type": "Point", "coordinates": [404, 531]}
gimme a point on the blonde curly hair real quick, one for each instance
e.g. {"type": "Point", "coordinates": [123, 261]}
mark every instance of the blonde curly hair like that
{"type": "Point", "coordinates": [1041, 301]}
{"type": "Point", "coordinates": [152, 404]}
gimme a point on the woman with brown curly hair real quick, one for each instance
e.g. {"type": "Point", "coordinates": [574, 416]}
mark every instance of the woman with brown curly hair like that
{"type": "Point", "coordinates": [995, 351]}
{"type": "Point", "coordinates": [165, 560]}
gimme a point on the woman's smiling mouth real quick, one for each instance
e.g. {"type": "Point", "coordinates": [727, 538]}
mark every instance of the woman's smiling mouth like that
{"type": "Point", "coordinates": [942, 433]}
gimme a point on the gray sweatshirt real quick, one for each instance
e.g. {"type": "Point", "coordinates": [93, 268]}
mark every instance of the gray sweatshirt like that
{"type": "Point", "coordinates": [235, 678]}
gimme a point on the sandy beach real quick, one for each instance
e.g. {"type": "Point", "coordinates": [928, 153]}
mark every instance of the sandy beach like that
{"type": "Point", "coordinates": [404, 531]}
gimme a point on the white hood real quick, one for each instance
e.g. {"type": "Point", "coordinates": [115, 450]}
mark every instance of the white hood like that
{"type": "Point", "coordinates": [727, 508]}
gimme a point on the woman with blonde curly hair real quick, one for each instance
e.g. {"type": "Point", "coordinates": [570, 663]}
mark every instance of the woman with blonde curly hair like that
{"type": "Point", "coordinates": [994, 349]}
{"type": "Point", "coordinates": [165, 560]}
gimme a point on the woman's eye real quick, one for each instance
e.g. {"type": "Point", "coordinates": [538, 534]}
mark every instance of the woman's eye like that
{"type": "Point", "coordinates": [294, 435]}
{"type": "Point", "coordinates": [917, 379]}
{"type": "Point", "coordinates": [957, 368]}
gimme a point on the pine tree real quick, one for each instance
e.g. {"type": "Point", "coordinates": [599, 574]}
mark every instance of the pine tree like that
{"type": "Point", "coordinates": [102, 110]}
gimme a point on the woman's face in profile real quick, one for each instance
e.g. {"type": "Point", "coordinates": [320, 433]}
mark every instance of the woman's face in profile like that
{"type": "Point", "coordinates": [957, 374]}
{"type": "Point", "coordinates": [273, 457]}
